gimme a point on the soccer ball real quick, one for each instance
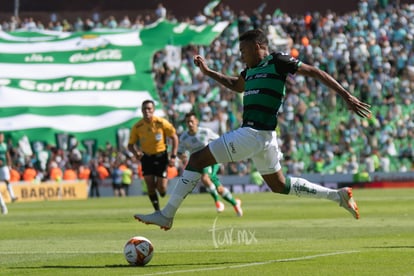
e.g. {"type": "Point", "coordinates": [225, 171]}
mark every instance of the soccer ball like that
{"type": "Point", "coordinates": [138, 251]}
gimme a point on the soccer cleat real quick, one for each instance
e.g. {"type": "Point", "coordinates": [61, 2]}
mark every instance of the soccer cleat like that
{"type": "Point", "coordinates": [14, 199]}
{"type": "Point", "coordinates": [219, 206]}
{"type": "Point", "coordinates": [238, 208]}
{"type": "Point", "coordinates": [156, 218]}
{"type": "Point", "coordinates": [346, 201]}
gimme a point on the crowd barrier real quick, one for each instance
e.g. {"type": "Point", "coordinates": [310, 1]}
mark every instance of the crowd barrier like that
{"type": "Point", "coordinates": [243, 184]}
{"type": "Point", "coordinates": [70, 190]}
{"type": "Point", "coordinates": [63, 190]}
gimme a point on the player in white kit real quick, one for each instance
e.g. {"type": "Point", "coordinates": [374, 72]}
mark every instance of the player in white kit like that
{"type": "Point", "coordinates": [194, 139]}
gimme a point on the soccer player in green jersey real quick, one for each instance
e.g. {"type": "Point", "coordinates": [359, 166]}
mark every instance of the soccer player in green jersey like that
{"type": "Point", "coordinates": [5, 165]}
{"type": "Point", "coordinates": [263, 84]}
{"type": "Point", "coordinates": [194, 139]}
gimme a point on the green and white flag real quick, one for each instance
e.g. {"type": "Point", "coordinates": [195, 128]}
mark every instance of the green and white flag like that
{"type": "Point", "coordinates": [87, 85]}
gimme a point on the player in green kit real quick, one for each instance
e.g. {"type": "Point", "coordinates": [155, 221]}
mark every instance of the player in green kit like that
{"type": "Point", "coordinates": [5, 165]}
{"type": "Point", "coordinates": [262, 83]}
{"type": "Point", "coordinates": [195, 139]}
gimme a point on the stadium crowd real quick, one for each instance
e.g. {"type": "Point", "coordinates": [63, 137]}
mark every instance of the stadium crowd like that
{"type": "Point", "coordinates": [370, 51]}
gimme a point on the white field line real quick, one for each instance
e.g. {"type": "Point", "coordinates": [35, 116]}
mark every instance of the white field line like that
{"type": "Point", "coordinates": [252, 264]}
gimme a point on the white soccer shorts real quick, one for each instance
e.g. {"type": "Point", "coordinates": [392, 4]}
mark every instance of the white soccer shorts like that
{"type": "Point", "coordinates": [244, 143]}
{"type": "Point", "coordinates": [4, 173]}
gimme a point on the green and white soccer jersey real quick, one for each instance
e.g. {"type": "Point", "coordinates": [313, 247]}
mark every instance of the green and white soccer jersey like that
{"type": "Point", "coordinates": [4, 169]}
{"type": "Point", "coordinates": [3, 154]}
{"type": "Point", "coordinates": [193, 143]}
{"type": "Point", "coordinates": [265, 89]}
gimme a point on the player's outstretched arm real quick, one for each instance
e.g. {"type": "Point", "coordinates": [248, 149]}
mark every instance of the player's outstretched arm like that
{"type": "Point", "coordinates": [234, 83]}
{"type": "Point", "coordinates": [353, 103]}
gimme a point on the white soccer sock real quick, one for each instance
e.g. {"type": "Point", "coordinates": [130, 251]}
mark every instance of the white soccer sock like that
{"type": "Point", "coordinates": [2, 203]}
{"type": "Point", "coordinates": [10, 189]}
{"type": "Point", "coordinates": [302, 187]}
{"type": "Point", "coordinates": [211, 188]}
{"type": "Point", "coordinates": [227, 194]}
{"type": "Point", "coordinates": [213, 192]}
{"type": "Point", "coordinates": [184, 186]}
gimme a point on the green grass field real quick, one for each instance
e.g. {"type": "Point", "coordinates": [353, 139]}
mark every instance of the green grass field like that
{"type": "Point", "coordinates": [278, 235]}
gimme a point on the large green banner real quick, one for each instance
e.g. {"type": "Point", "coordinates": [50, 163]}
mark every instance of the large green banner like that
{"type": "Point", "coordinates": [87, 85]}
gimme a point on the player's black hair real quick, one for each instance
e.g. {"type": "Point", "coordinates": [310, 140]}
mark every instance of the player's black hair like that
{"type": "Point", "coordinates": [189, 114]}
{"type": "Point", "coordinates": [147, 102]}
{"type": "Point", "coordinates": [256, 35]}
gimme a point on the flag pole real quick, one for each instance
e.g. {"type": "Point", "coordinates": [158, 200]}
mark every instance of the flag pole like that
{"type": "Point", "coordinates": [16, 8]}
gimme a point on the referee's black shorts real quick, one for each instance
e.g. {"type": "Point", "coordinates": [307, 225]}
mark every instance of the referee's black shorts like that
{"type": "Point", "coordinates": [155, 164]}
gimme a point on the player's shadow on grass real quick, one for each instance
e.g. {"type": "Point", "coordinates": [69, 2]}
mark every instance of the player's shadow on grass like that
{"type": "Point", "coordinates": [392, 247]}
{"type": "Point", "coordinates": [126, 265]}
